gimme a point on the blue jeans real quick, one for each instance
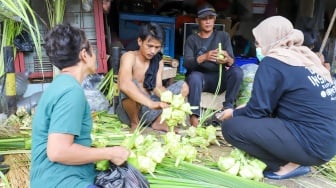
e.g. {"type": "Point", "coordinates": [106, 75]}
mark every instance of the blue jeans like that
{"type": "Point", "coordinates": [207, 82]}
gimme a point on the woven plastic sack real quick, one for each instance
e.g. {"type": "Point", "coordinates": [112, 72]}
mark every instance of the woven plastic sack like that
{"type": "Point", "coordinates": [124, 176]}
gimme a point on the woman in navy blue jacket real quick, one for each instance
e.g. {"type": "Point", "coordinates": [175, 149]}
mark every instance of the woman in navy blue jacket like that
{"type": "Point", "coordinates": [290, 119]}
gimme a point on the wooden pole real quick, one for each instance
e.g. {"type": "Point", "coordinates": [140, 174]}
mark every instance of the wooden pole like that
{"type": "Point", "coordinates": [326, 36]}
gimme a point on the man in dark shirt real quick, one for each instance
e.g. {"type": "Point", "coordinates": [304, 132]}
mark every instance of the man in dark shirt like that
{"type": "Point", "coordinates": [202, 62]}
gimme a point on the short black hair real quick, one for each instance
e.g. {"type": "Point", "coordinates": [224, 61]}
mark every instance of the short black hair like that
{"type": "Point", "coordinates": [63, 44]}
{"type": "Point", "coordinates": [152, 30]}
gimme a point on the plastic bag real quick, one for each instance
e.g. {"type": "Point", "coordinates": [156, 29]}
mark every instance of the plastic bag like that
{"type": "Point", "coordinates": [95, 98]}
{"type": "Point", "coordinates": [30, 102]}
{"type": "Point", "coordinates": [23, 42]}
{"type": "Point", "coordinates": [246, 87]}
{"type": "Point", "coordinates": [125, 176]}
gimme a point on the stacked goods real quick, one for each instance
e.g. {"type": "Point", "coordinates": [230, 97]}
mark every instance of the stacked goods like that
{"type": "Point", "coordinates": [15, 132]}
{"type": "Point", "coordinates": [239, 163]}
{"type": "Point", "coordinates": [107, 130]}
{"type": "Point", "coordinates": [146, 152]}
{"type": "Point", "coordinates": [178, 110]}
{"type": "Point", "coordinates": [202, 136]}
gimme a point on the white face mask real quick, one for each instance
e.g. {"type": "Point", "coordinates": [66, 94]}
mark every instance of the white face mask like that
{"type": "Point", "coordinates": [259, 55]}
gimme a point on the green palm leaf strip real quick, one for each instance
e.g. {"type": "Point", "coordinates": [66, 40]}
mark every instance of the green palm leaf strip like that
{"type": "Point", "coordinates": [208, 113]}
{"type": "Point", "coordinates": [195, 175]}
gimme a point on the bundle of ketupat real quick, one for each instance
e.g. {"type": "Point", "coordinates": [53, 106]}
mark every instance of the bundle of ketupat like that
{"type": "Point", "coordinates": [15, 132]}
{"type": "Point", "coordinates": [239, 163]}
{"type": "Point", "coordinates": [178, 110]}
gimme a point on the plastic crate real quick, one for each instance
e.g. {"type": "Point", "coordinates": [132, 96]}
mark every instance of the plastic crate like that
{"type": "Point", "coordinates": [129, 25]}
{"type": "Point", "coordinates": [240, 61]}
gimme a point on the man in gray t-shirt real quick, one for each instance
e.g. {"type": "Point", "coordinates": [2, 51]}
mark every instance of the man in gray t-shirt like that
{"type": "Point", "coordinates": [201, 59]}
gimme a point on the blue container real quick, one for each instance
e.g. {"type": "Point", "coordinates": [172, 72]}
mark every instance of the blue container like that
{"type": "Point", "coordinates": [182, 69]}
{"type": "Point", "coordinates": [129, 25]}
{"type": "Point", "coordinates": [240, 61]}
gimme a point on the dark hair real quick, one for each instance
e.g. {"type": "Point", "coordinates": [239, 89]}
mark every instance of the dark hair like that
{"type": "Point", "coordinates": [63, 44]}
{"type": "Point", "coordinates": [152, 30]}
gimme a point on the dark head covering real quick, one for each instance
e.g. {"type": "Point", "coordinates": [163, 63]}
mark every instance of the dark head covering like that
{"type": "Point", "coordinates": [205, 10]}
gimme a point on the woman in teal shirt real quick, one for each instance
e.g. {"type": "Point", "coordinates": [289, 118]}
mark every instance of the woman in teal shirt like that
{"type": "Point", "coordinates": [61, 152]}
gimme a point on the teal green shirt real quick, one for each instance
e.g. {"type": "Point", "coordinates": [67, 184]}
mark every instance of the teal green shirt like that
{"type": "Point", "coordinates": [63, 108]}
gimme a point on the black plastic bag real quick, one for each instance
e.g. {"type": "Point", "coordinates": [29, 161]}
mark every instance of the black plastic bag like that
{"type": "Point", "coordinates": [23, 42]}
{"type": "Point", "coordinates": [125, 176]}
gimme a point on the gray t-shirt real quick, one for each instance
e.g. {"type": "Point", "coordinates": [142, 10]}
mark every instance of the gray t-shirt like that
{"type": "Point", "coordinates": [196, 46]}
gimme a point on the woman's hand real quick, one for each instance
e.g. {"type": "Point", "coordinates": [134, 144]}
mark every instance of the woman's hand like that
{"type": "Point", "coordinates": [224, 115]}
{"type": "Point", "coordinates": [118, 154]}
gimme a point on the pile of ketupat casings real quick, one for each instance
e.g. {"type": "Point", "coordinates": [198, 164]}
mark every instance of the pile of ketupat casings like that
{"type": "Point", "coordinates": [148, 151]}
{"type": "Point", "coordinates": [15, 131]}
{"type": "Point", "coordinates": [178, 110]}
{"type": "Point", "coordinates": [241, 164]}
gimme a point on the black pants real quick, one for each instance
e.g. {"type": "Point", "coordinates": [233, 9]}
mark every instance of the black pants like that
{"type": "Point", "coordinates": [207, 82]}
{"type": "Point", "coordinates": [267, 139]}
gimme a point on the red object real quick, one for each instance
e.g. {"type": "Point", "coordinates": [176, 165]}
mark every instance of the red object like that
{"type": "Point", "coordinates": [19, 64]}
{"type": "Point", "coordinates": [180, 20]}
{"type": "Point", "coordinates": [100, 34]}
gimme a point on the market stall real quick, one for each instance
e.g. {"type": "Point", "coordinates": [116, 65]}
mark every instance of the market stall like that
{"type": "Point", "coordinates": [195, 157]}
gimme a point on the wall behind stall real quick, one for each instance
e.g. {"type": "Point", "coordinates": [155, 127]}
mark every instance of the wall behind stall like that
{"type": "Point", "coordinates": [77, 14]}
{"type": "Point", "coordinates": [286, 8]}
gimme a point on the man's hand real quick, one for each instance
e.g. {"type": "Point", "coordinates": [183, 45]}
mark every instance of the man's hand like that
{"type": "Point", "coordinates": [209, 56]}
{"type": "Point", "coordinates": [227, 60]}
{"type": "Point", "coordinates": [158, 105]}
{"type": "Point", "coordinates": [212, 55]}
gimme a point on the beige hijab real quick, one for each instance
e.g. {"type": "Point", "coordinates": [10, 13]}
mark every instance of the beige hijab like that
{"type": "Point", "coordinates": [278, 39]}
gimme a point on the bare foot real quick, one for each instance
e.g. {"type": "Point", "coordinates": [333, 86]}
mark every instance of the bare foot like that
{"type": "Point", "coordinates": [289, 167]}
{"type": "Point", "coordinates": [133, 127]}
{"type": "Point", "coordinates": [194, 121]}
{"type": "Point", "coordinates": [163, 127]}
{"type": "Point", "coordinates": [160, 127]}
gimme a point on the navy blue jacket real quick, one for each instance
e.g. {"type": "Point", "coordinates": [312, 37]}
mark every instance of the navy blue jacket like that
{"type": "Point", "coordinates": [303, 100]}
